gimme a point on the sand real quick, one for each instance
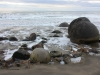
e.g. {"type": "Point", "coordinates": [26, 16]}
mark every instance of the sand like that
{"type": "Point", "coordinates": [89, 66]}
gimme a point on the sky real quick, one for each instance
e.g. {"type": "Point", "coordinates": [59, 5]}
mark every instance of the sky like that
{"type": "Point", "coordinates": [49, 5]}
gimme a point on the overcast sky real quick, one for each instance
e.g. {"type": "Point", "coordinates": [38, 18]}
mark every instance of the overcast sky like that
{"type": "Point", "coordinates": [49, 5]}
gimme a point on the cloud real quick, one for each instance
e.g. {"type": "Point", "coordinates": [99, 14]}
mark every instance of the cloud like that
{"type": "Point", "coordinates": [49, 5]}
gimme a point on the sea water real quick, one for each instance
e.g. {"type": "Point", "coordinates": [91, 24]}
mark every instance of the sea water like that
{"type": "Point", "coordinates": [46, 18]}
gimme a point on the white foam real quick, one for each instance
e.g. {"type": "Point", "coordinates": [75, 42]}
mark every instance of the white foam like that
{"type": "Point", "coordinates": [59, 41]}
{"type": "Point", "coordinates": [8, 54]}
{"type": "Point", "coordinates": [76, 60]}
{"type": "Point", "coordinates": [91, 53]}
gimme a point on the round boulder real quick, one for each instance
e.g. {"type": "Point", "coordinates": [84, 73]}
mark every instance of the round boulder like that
{"type": "Point", "coordinates": [64, 24]}
{"type": "Point", "coordinates": [40, 55]}
{"type": "Point", "coordinates": [21, 54]}
{"type": "Point", "coordinates": [84, 32]}
{"type": "Point", "coordinates": [73, 23]}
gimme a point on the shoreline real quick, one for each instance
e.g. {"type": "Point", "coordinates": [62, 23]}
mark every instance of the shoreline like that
{"type": "Point", "coordinates": [89, 66]}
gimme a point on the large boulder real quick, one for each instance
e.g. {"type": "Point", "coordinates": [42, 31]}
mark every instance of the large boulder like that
{"type": "Point", "coordinates": [40, 55]}
{"type": "Point", "coordinates": [75, 21]}
{"type": "Point", "coordinates": [64, 24]}
{"type": "Point", "coordinates": [21, 54]}
{"type": "Point", "coordinates": [84, 32]}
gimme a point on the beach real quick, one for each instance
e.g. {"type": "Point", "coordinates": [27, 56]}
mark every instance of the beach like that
{"type": "Point", "coordinates": [88, 65]}
{"type": "Point", "coordinates": [43, 24]}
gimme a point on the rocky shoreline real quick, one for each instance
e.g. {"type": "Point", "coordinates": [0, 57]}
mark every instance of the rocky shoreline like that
{"type": "Point", "coordinates": [53, 49]}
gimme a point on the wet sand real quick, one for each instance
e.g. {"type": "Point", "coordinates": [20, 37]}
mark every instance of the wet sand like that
{"type": "Point", "coordinates": [91, 66]}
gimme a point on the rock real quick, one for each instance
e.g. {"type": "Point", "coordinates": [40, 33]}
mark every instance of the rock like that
{"type": "Point", "coordinates": [94, 50]}
{"type": "Point", "coordinates": [44, 41]}
{"type": "Point", "coordinates": [17, 64]}
{"type": "Point", "coordinates": [75, 21]}
{"type": "Point", "coordinates": [3, 38]}
{"type": "Point", "coordinates": [1, 51]}
{"type": "Point", "coordinates": [56, 31]}
{"type": "Point", "coordinates": [21, 54]}
{"type": "Point", "coordinates": [26, 39]}
{"type": "Point", "coordinates": [84, 32]}
{"type": "Point", "coordinates": [66, 58]}
{"type": "Point", "coordinates": [39, 45]}
{"type": "Point", "coordinates": [55, 35]}
{"type": "Point", "coordinates": [13, 39]}
{"type": "Point", "coordinates": [32, 37]}
{"type": "Point", "coordinates": [64, 24]}
{"type": "Point", "coordinates": [24, 45]}
{"type": "Point", "coordinates": [44, 38]}
{"type": "Point", "coordinates": [40, 55]}
{"type": "Point", "coordinates": [55, 53]}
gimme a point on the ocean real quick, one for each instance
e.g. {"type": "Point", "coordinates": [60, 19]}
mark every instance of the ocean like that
{"type": "Point", "coordinates": [46, 18]}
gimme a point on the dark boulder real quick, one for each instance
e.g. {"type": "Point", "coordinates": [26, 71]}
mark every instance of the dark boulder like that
{"type": "Point", "coordinates": [21, 54]}
{"type": "Point", "coordinates": [84, 32]}
{"type": "Point", "coordinates": [32, 37]}
{"type": "Point", "coordinates": [75, 21]}
{"type": "Point", "coordinates": [3, 38]}
{"type": "Point", "coordinates": [56, 31]}
{"type": "Point", "coordinates": [13, 39]}
{"type": "Point", "coordinates": [64, 24]}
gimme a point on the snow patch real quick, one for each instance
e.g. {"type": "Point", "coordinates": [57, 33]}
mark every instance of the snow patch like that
{"type": "Point", "coordinates": [76, 60]}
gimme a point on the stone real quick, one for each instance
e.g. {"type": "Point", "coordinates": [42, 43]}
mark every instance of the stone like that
{"type": "Point", "coordinates": [1, 51]}
{"type": "Point", "coordinates": [56, 31]}
{"type": "Point", "coordinates": [64, 24]}
{"type": "Point", "coordinates": [24, 45]}
{"type": "Point", "coordinates": [32, 37]}
{"type": "Point", "coordinates": [39, 45]}
{"type": "Point", "coordinates": [55, 35]}
{"type": "Point", "coordinates": [13, 39]}
{"type": "Point", "coordinates": [40, 55]}
{"type": "Point", "coordinates": [75, 21]}
{"type": "Point", "coordinates": [3, 38]}
{"type": "Point", "coordinates": [55, 53]}
{"type": "Point", "coordinates": [84, 32]}
{"type": "Point", "coordinates": [21, 54]}
{"type": "Point", "coordinates": [94, 50]}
